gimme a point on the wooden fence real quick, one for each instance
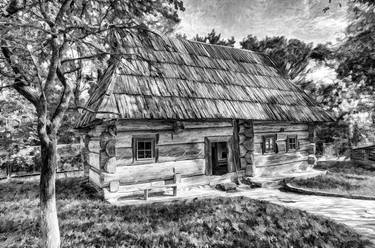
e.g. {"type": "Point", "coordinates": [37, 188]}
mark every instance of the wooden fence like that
{"type": "Point", "coordinates": [365, 154]}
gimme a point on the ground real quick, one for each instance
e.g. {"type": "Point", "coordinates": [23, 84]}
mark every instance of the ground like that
{"type": "Point", "coordinates": [86, 221]}
{"type": "Point", "coordinates": [343, 177]}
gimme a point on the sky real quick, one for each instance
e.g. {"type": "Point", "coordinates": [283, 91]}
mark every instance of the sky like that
{"type": "Point", "coordinates": [302, 19]}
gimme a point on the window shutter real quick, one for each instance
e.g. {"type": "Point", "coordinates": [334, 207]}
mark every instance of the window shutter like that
{"type": "Point", "coordinates": [287, 144]}
{"type": "Point", "coordinates": [263, 144]}
{"type": "Point", "coordinates": [275, 148]}
{"type": "Point", "coordinates": [134, 149]}
{"type": "Point", "coordinates": [297, 142]}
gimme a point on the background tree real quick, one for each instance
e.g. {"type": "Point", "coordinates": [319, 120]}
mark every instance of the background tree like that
{"type": "Point", "coordinates": [290, 56]}
{"type": "Point", "coordinates": [43, 44]}
{"type": "Point", "coordinates": [215, 39]}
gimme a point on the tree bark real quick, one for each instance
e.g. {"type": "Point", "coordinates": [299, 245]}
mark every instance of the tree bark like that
{"type": "Point", "coordinates": [49, 220]}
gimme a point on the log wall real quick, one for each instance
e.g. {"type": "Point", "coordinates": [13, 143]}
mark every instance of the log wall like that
{"type": "Point", "coordinates": [112, 165]}
{"type": "Point", "coordinates": [185, 146]}
{"type": "Point", "coordinates": [283, 161]}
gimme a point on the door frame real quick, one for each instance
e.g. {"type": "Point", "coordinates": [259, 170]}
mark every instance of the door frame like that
{"type": "Point", "coordinates": [208, 152]}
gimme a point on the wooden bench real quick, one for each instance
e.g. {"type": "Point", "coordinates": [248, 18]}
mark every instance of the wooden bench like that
{"type": "Point", "coordinates": [174, 185]}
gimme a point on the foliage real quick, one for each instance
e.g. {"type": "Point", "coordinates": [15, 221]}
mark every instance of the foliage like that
{"type": "Point", "coordinates": [223, 222]}
{"type": "Point", "coordinates": [290, 56]}
{"type": "Point", "coordinates": [27, 160]}
{"type": "Point", "coordinates": [215, 39]}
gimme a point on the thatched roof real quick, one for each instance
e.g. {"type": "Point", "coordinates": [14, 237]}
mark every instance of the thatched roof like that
{"type": "Point", "coordinates": [178, 79]}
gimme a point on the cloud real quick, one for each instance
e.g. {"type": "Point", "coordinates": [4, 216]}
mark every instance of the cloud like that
{"type": "Point", "coordinates": [302, 19]}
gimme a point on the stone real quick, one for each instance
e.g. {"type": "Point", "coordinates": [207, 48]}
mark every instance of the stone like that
{"type": "Point", "coordinates": [227, 187]}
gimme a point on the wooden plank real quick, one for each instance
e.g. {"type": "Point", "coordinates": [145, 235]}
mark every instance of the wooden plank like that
{"type": "Point", "coordinates": [181, 152]}
{"type": "Point", "coordinates": [275, 159]}
{"type": "Point", "coordinates": [155, 171]}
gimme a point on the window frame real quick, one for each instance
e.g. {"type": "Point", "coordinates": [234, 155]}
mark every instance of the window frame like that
{"type": "Point", "coordinates": [144, 138]}
{"type": "Point", "coordinates": [264, 138]}
{"type": "Point", "coordinates": [288, 149]}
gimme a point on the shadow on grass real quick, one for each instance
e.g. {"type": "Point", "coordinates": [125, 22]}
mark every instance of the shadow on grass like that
{"type": "Point", "coordinates": [222, 222]}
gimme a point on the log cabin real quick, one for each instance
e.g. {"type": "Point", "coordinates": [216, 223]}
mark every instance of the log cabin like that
{"type": "Point", "coordinates": [173, 113]}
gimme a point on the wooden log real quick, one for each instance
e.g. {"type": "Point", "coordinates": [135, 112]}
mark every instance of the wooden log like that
{"type": "Point", "coordinates": [248, 124]}
{"type": "Point", "coordinates": [205, 124]}
{"type": "Point", "coordinates": [275, 159]}
{"type": "Point", "coordinates": [94, 177]}
{"type": "Point", "coordinates": [267, 127]}
{"type": "Point", "coordinates": [94, 160]}
{"type": "Point", "coordinates": [114, 186]}
{"type": "Point", "coordinates": [243, 163]}
{"type": "Point", "coordinates": [242, 138]}
{"type": "Point", "coordinates": [110, 165]}
{"type": "Point", "coordinates": [249, 144]}
{"type": "Point", "coordinates": [248, 132]}
{"type": "Point", "coordinates": [94, 146]}
{"type": "Point", "coordinates": [124, 153]}
{"type": "Point", "coordinates": [192, 135]}
{"type": "Point", "coordinates": [249, 157]}
{"type": "Point", "coordinates": [181, 152]}
{"type": "Point", "coordinates": [156, 171]}
{"type": "Point", "coordinates": [243, 151]}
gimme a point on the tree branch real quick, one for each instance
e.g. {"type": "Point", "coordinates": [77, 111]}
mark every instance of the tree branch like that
{"type": "Point", "coordinates": [64, 7]}
{"type": "Point", "coordinates": [20, 81]}
{"type": "Point", "coordinates": [64, 99]}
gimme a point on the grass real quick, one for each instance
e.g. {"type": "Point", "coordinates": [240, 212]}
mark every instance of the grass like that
{"type": "Point", "coordinates": [343, 177]}
{"type": "Point", "coordinates": [86, 221]}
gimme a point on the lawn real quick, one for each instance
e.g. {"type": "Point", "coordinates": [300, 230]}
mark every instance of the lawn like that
{"type": "Point", "coordinates": [343, 177]}
{"type": "Point", "coordinates": [86, 221]}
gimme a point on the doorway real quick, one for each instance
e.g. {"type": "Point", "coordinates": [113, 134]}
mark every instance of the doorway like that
{"type": "Point", "coordinates": [219, 158]}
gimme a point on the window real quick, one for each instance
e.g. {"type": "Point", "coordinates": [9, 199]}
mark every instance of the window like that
{"type": "Point", "coordinates": [222, 151]}
{"type": "Point", "coordinates": [269, 144]}
{"type": "Point", "coordinates": [291, 142]}
{"type": "Point", "coordinates": [144, 149]}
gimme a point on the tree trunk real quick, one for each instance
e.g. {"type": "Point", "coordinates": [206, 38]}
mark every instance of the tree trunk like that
{"type": "Point", "coordinates": [49, 221]}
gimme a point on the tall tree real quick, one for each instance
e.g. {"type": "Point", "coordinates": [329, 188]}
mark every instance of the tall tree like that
{"type": "Point", "coordinates": [356, 54]}
{"type": "Point", "coordinates": [215, 39]}
{"type": "Point", "coordinates": [290, 56]}
{"type": "Point", "coordinates": [42, 45]}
